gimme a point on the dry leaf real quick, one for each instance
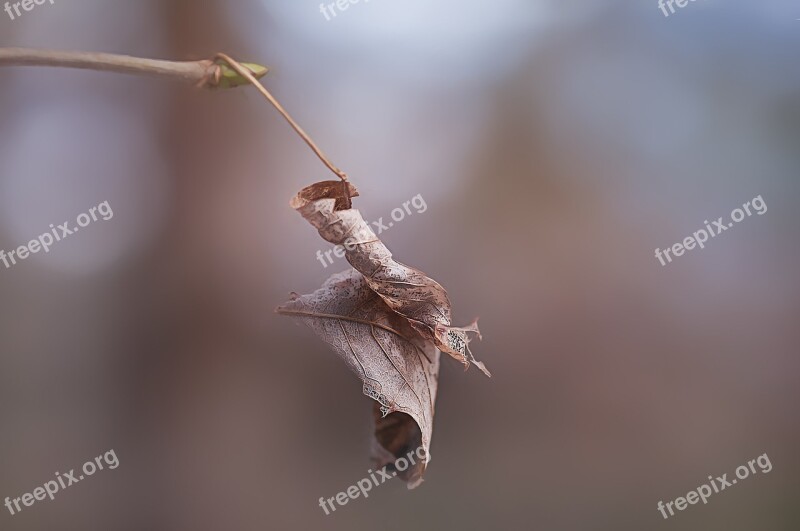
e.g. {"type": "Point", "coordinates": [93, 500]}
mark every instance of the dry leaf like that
{"type": "Point", "coordinates": [398, 368]}
{"type": "Point", "coordinates": [407, 291]}
{"type": "Point", "coordinates": [388, 321]}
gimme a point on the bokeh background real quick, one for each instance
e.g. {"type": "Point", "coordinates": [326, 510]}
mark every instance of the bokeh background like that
{"type": "Point", "coordinates": [556, 144]}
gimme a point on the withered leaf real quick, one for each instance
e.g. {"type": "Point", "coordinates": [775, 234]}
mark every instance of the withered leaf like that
{"type": "Point", "coordinates": [397, 367]}
{"type": "Point", "coordinates": [388, 321]}
{"type": "Point", "coordinates": [407, 291]}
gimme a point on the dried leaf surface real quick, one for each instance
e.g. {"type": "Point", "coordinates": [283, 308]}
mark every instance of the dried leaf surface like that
{"type": "Point", "coordinates": [397, 367]}
{"type": "Point", "coordinates": [407, 291]}
{"type": "Point", "coordinates": [388, 321]}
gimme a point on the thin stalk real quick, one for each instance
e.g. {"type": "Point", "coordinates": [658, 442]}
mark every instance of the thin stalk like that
{"type": "Point", "coordinates": [209, 73]}
{"type": "Point", "coordinates": [247, 75]}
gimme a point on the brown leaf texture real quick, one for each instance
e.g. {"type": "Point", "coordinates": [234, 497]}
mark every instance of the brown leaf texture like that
{"type": "Point", "coordinates": [407, 291]}
{"type": "Point", "coordinates": [387, 320]}
{"type": "Point", "coordinates": [397, 367]}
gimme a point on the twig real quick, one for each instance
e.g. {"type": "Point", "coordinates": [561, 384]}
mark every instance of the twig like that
{"type": "Point", "coordinates": [205, 73]}
{"type": "Point", "coordinates": [244, 73]}
{"type": "Point", "coordinates": [210, 73]}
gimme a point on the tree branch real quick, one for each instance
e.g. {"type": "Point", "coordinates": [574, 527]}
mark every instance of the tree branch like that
{"type": "Point", "coordinates": [204, 73]}
{"type": "Point", "coordinates": [222, 71]}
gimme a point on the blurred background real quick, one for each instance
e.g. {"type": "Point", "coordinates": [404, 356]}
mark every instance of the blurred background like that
{"type": "Point", "coordinates": [556, 145]}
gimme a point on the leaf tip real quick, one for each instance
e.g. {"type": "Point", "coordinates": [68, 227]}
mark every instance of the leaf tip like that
{"type": "Point", "coordinates": [482, 368]}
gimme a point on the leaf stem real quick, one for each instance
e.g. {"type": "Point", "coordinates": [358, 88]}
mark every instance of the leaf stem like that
{"type": "Point", "coordinates": [247, 75]}
{"type": "Point", "coordinates": [207, 73]}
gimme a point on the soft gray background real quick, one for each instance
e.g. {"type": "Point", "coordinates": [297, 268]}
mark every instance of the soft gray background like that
{"type": "Point", "coordinates": [557, 144]}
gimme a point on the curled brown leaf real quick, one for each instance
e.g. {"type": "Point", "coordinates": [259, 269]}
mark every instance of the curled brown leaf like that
{"type": "Point", "coordinates": [398, 369]}
{"type": "Point", "coordinates": [388, 321]}
{"type": "Point", "coordinates": [406, 290]}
